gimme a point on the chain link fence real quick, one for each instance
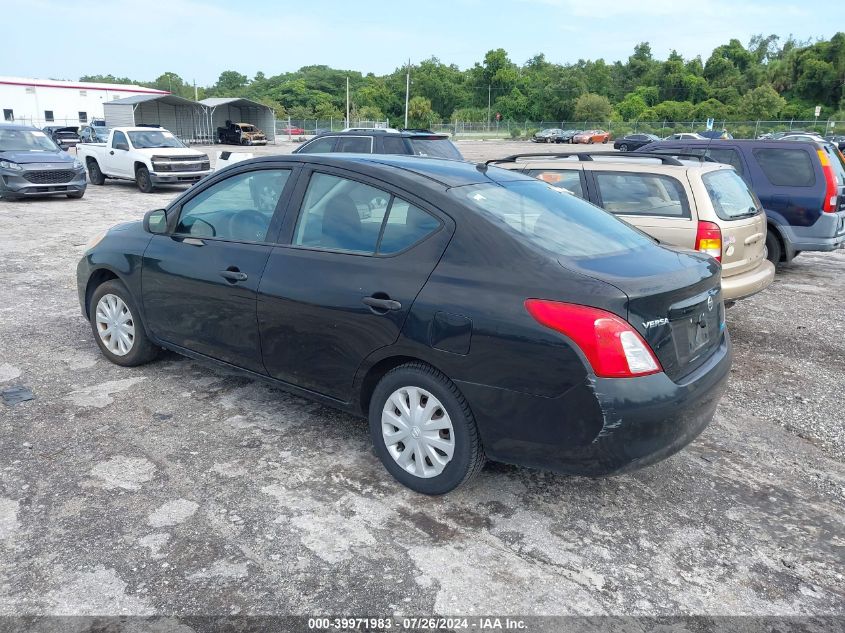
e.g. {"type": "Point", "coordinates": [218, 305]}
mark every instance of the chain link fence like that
{"type": "Point", "coordinates": [527, 128]}
{"type": "Point", "coordinates": [309, 127]}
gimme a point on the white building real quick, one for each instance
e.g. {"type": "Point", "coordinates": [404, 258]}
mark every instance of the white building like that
{"type": "Point", "coordinates": [41, 102]}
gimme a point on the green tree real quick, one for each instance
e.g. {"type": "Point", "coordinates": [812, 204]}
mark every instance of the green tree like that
{"type": "Point", "coordinates": [230, 81]}
{"type": "Point", "coordinates": [761, 103]}
{"type": "Point", "coordinates": [592, 107]}
{"type": "Point", "coordinates": [631, 107]}
{"type": "Point", "coordinates": [420, 113]}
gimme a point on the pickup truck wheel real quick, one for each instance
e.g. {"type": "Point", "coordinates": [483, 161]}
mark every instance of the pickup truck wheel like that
{"type": "Point", "coordinates": [774, 251]}
{"type": "Point", "coordinates": [143, 180]}
{"type": "Point", "coordinates": [94, 174]}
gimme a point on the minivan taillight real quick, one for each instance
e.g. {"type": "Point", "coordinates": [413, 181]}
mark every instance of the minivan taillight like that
{"type": "Point", "coordinates": [831, 190]}
{"type": "Point", "coordinates": [708, 239]}
{"type": "Point", "coordinates": [613, 348]}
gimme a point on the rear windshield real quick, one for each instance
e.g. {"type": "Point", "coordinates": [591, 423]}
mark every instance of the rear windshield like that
{"type": "Point", "coordinates": [730, 195]}
{"type": "Point", "coordinates": [552, 218]}
{"type": "Point", "coordinates": [435, 147]}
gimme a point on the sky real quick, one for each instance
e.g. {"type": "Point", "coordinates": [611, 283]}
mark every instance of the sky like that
{"type": "Point", "coordinates": [198, 39]}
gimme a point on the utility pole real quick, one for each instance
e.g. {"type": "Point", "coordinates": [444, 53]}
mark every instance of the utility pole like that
{"type": "Point", "coordinates": [196, 94]}
{"type": "Point", "coordinates": [407, 90]}
{"type": "Point", "coordinates": [489, 90]}
{"type": "Point", "coordinates": [348, 124]}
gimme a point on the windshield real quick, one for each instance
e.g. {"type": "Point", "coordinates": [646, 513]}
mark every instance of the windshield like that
{"type": "Point", "coordinates": [247, 128]}
{"type": "Point", "coordinates": [154, 139]}
{"type": "Point", "coordinates": [730, 195]}
{"type": "Point", "coordinates": [552, 218]}
{"type": "Point", "coordinates": [26, 141]}
{"type": "Point", "coordinates": [436, 147]}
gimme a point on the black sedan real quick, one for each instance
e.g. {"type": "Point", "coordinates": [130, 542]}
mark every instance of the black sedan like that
{"type": "Point", "coordinates": [634, 142]}
{"type": "Point", "coordinates": [565, 136]}
{"type": "Point", "coordinates": [468, 311]}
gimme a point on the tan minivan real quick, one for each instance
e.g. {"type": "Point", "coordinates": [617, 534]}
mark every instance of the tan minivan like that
{"type": "Point", "coordinates": [704, 206]}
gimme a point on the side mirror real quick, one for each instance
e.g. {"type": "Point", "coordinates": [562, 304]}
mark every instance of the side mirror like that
{"type": "Point", "coordinates": [155, 222]}
{"type": "Point", "coordinates": [122, 146]}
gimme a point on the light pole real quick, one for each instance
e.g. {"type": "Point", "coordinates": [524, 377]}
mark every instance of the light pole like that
{"type": "Point", "coordinates": [407, 90]}
{"type": "Point", "coordinates": [489, 90]}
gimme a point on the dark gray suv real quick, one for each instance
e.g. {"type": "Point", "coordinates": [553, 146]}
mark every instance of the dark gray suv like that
{"type": "Point", "coordinates": [383, 141]}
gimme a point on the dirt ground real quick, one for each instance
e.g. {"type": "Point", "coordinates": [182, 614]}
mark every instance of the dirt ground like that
{"type": "Point", "coordinates": [177, 488]}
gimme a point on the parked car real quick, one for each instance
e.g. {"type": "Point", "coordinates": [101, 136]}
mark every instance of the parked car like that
{"type": "Point", "coordinates": [682, 136]}
{"type": "Point", "coordinates": [839, 141]}
{"type": "Point", "coordinates": [633, 142]}
{"type": "Point", "coordinates": [717, 134]}
{"type": "Point", "coordinates": [565, 136]}
{"type": "Point", "coordinates": [546, 136]}
{"type": "Point", "coordinates": [93, 134]}
{"type": "Point", "coordinates": [592, 136]}
{"type": "Point", "coordinates": [383, 141]}
{"type": "Point", "coordinates": [800, 184]}
{"type": "Point", "coordinates": [698, 205]}
{"type": "Point", "coordinates": [64, 137]}
{"type": "Point", "coordinates": [292, 131]}
{"type": "Point", "coordinates": [150, 156]}
{"type": "Point", "coordinates": [31, 165]}
{"type": "Point", "coordinates": [471, 300]}
{"type": "Point", "coordinates": [240, 134]}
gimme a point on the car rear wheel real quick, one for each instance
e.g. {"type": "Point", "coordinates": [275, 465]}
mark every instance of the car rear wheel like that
{"type": "Point", "coordinates": [590, 142]}
{"type": "Point", "coordinates": [423, 430]}
{"type": "Point", "coordinates": [143, 180]}
{"type": "Point", "coordinates": [94, 174]}
{"type": "Point", "coordinates": [623, 147]}
{"type": "Point", "coordinates": [117, 326]}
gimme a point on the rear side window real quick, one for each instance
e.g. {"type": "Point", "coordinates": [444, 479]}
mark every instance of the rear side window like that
{"type": "Point", "coordinates": [629, 193]}
{"type": "Point", "coordinates": [786, 167]}
{"type": "Point", "coordinates": [320, 145]}
{"type": "Point", "coordinates": [405, 226]}
{"type": "Point", "coordinates": [565, 179]}
{"type": "Point", "coordinates": [355, 144]}
{"type": "Point", "coordinates": [434, 146]}
{"type": "Point", "coordinates": [555, 220]}
{"type": "Point", "coordinates": [726, 157]}
{"type": "Point", "coordinates": [394, 145]}
{"type": "Point", "coordinates": [730, 195]}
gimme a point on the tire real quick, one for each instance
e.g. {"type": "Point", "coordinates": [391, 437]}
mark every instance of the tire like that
{"type": "Point", "coordinates": [94, 174]}
{"type": "Point", "coordinates": [418, 382]}
{"type": "Point", "coordinates": [623, 148]}
{"type": "Point", "coordinates": [774, 250]}
{"type": "Point", "coordinates": [143, 180]}
{"type": "Point", "coordinates": [604, 142]}
{"type": "Point", "coordinates": [76, 195]}
{"type": "Point", "coordinates": [140, 349]}
{"type": "Point", "coordinates": [590, 142]}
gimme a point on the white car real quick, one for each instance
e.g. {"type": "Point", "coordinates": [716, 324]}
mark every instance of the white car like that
{"type": "Point", "coordinates": [150, 156]}
{"type": "Point", "coordinates": [685, 136]}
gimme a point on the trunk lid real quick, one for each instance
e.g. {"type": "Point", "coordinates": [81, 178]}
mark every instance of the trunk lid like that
{"type": "Point", "coordinates": [674, 302]}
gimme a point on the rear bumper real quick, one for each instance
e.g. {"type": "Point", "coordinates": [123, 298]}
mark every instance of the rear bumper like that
{"type": "Point", "coordinates": [13, 184]}
{"type": "Point", "coordinates": [825, 234]}
{"type": "Point", "coordinates": [749, 282]}
{"type": "Point", "coordinates": [604, 426]}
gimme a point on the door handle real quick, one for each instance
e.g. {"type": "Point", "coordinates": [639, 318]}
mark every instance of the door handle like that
{"type": "Point", "coordinates": [384, 305]}
{"type": "Point", "coordinates": [233, 275]}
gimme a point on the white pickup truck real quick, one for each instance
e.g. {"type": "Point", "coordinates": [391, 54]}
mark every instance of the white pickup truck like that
{"type": "Point", "coordinates": [148, 155]}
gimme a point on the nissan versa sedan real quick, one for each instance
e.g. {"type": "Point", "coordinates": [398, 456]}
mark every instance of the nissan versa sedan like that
{"type": "Point", "coordinates": [31, 164]}
{"type": "Point", "coordinates": [468, 311]}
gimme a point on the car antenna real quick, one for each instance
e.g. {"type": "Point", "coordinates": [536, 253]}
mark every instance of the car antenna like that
{"type": "Point", "coordinates": [482, 167]}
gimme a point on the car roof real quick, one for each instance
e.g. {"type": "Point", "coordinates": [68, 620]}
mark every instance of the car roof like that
{"type": "Point", "coordinates": [408, 133]}
{"type": "Point", "coordinates": [742, 142]}
{"type": "Point", "coordinates": [447, 172]}
{"type": "Point", "coordinates": [640, 161]}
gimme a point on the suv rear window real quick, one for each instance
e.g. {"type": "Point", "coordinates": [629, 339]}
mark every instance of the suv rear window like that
{"type": "Point", "coordinates": [553, 219]}
{"type": "Point", "coordinates": [565, 179]}
{"type": "Point", "coordinates": [435, 146]}
{"type": "Point", "coordinates": [394, 145]}
{"type": "Point", "coordinates": [355, 144]}
{"type": "Point", "coordinates": [630, 193]}
{"type": "Point", "coordinates": [786, 167]}
{"type": "Point", "coordinates": [730, 195]}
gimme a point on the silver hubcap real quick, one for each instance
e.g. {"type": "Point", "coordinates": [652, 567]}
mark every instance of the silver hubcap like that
{"type": "Point", "coordinates": [115, 325]}
{"type": "Point", "coordinates": [417, 431]}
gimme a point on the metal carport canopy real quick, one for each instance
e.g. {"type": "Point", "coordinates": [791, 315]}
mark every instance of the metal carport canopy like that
{"type": "Point", "coordinates": [239, 110]}
{"type": "Point", "coordinates": [185, 118]}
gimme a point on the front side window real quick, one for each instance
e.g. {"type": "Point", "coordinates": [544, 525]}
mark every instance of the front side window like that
{"type": "Point", "coordinates": [322, 145]}
{"type": "Point", "coordinates": [786, 167]}
{"type": "Point", "coordinates": [565, 179]}
{"type": "Point", "coordinates": [552, 219]}
{"type": "Point", "coordinates": [642, 194]}
{"type": "Point", "coordinates": [239, 208]}
{"type": "Point", "coordinates": [355, 144]}
{"type": "Point", "coordinates": [154, 139]}
{"type": "Point", "coordinates": [118, 138]}
{"type": "Point", "coordinates": [730, 195]}
{"type": "Point", "coordinates": [341, 214]}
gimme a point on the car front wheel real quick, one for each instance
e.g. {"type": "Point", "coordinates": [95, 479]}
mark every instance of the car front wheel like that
{"type": "Point", "coordinates": [423, 430]}
{"type": "Point", "coordinates": [143, 180]}
{"type": "Point", "coordinates": [117, 326]}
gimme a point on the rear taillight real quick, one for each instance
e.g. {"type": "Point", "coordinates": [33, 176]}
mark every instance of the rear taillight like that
{"type": "Point", "coordinates": [831, 190]}
{"type": "Point", "coordinates": [708, 239]}
{"type": "Point", "coordinates": [613, 348]}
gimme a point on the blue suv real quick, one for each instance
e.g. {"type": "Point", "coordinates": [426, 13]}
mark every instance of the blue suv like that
{"type": "Point", "coordinates": [801, 185]}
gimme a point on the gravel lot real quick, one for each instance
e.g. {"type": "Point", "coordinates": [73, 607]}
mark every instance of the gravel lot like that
{"type": "Point", "coordinates": [177, 488]}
